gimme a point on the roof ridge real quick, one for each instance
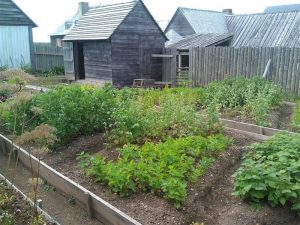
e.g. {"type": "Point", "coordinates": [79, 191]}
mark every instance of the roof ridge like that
{"type": "Point", "coordinates": [202, 10]}
{"type": "Point", "coordinates": [114, 4]}
{"type": "Point", "coordinates": [262, 13]}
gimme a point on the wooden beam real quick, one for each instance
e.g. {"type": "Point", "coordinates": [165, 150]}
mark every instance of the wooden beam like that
{"type": "Point", "coordinates": [266, 72]}
{"type": "Point", "coordinates": [162, 56]}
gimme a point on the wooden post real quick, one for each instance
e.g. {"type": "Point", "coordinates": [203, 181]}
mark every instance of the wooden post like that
{"type": "Point", "coordinates": [89, 205]}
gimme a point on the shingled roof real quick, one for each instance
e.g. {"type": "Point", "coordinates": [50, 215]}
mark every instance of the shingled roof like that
{"type": "Point", "coordinates": [265, 30]}
{"type": "Point", "coordinates": [201, 40]}
{"type": "Point", "coordinates": [11, 14]}
{"type": "Point", "coordinates": [282, 8]}
{"type": "Point", "coordinates": [100, 23]}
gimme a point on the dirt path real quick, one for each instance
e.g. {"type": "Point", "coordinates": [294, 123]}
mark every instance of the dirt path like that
{"type": "Point", "coordinates": [54, 204]}
{"type": "Point", "coordinates": [209, 201]}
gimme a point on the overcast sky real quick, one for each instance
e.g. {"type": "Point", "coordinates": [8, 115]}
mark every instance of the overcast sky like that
{"type": "Point", "coordinates": [49, 14]}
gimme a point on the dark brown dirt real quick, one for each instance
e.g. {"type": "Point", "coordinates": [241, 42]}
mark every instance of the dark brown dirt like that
{"type": "Point", "coordinates": [209, 201]}
{"type": "Point", "coordinates": [60, 208]}
{"type": "Point", "coordinates": [14, 205]}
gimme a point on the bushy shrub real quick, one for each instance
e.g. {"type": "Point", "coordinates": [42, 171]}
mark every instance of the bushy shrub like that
{"type": "Point", "coordinates": [161, 168]}
{"type": "Point", "coordinates": [271, 172]}
{"type": "Point", "coordinates": [15, 114]}
{"type": "Point", "coordinates": [253, 97]}
{"type": "Point", "coordinates": [75, 110]}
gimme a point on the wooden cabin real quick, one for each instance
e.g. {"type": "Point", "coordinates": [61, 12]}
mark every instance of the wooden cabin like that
{"type": "Point", "coordinates": [16, 42]}
{"type": "Point", "coordinates": [115, 43]}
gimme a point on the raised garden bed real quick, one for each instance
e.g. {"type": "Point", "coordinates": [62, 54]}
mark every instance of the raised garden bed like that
{"type": "Point", "coordinates": [209, 200]}
{"type": "Point", "coordinates": [16, 208]}
{"type": "Point", "coordinates": [282, 119]}
{"type": "Point", "coordinates": [167, 163]}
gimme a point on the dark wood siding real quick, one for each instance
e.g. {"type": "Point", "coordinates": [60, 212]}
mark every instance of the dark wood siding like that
{"type": "Point", "coordinates": [97, 60]}
{"type": "Point", "coordinates": [133, 43]}
{"type": "Point", "coordinates": [69, 60]}
{"type": "Point", "coordinates": [11, 14]}
{"type": "Point", "coordinates": [180, 24]}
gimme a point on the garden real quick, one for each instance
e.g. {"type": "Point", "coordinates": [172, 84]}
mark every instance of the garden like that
{"type": "Point", "coordinates": [14, 209]}
{"type": "Point", "coordinates": [162, 156]}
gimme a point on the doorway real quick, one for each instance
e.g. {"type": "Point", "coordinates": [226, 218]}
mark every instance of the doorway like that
{"type": "Point", "coordinates": [79, 60]}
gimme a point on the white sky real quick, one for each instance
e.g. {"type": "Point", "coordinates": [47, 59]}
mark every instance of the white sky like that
{"type": "Point", "coordinates": [50, 14]}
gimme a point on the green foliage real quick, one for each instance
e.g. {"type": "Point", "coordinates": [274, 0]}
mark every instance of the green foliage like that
{"type": "Point", "coordinates": [75, 110]}
{"type": "Point", "coordinates": [296, 117]}
{"type": "Point", "coordinates": [156, 115]}
{"type": "Point", "coordinates": [5, 92]}
{"type": "Point", "coordinates": [3, 68]}
{"type": "Point", "coordinates": [271, 172]}
{"type": "Point", "coordinates": [56, 70]}
{"type": "Point", "coordinates": [15, 113]}
{"type": "Point", "coordinates": [6, 219]}
{"type": "Point", "coordinates": [250, 97]}
{"type": "Point", "coordinates": [160, 168]}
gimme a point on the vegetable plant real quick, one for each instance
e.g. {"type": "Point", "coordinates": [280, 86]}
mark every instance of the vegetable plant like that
{"type": "Point", "coordinates": [296, 117]}
{"type": "Point", "coordinates": [163, 168]}
{"type": "Point", "coordinates": [271, 172]}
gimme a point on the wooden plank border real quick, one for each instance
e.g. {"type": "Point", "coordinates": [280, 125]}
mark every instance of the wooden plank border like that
{"type": "Point", "coordinates": [100, 209]}
{"type": "Point", "coordinates": [247, 127]}
{"type": "Point", "coordinates": [27, 199]}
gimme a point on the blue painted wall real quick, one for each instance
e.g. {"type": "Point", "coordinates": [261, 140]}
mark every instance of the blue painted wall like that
{"type": "Point", "coordinates": [14, 46]}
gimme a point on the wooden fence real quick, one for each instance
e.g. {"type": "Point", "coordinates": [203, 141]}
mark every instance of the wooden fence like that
{"type": "Point", "coordinates": [280, 64]}
{"type": "Point", "coordinates": [46, 56]}
{"type": "Point", "coordinates": [169, 66]}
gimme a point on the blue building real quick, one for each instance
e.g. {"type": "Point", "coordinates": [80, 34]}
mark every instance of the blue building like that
{"type": "Point", "coordinates": [16, 42]}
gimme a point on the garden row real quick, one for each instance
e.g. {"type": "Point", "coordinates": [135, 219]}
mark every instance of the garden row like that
{"type": "Point", "coordinates": [166, 139]}
{"type": "Point", "coordinates": [15, 209]}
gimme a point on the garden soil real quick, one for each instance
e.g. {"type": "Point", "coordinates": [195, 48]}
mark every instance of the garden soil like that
{"type": "Point", "coordinates": [210, 201]}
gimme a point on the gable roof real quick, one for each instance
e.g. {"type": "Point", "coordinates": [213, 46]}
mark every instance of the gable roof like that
{"type": "Point", "coordinates": [11, 14]}
{"type": "Point", "coordinates": [205, 21]}
{"type": "Point", "coordinates": [99, 23]}
{"type": "Point", "coordinates": [62, 30]}
{"type": "Point", "coordinates": [202, 21]}
{"type": "Point", "coordinates": [282, 8]}
{"type": "Point", "coordinates": [265, 30]}
{"type": "Point", "coordinates": [173, 36]}
{"type": "Point", "coordinates": [201, 40]}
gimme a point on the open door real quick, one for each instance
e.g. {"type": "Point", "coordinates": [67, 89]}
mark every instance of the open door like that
{"type": "Point", "coordinates": [79, 61]}
{"type": "Point", "coordinates": [69, 60]}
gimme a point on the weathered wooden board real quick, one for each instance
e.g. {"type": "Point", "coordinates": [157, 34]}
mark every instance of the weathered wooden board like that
{"type": "Point", "coordinates": [251, 127]}
{"type": "Point", "coordinates": [40, 211]}
{"type": "Point", "coordinates": [216, 63]}
{"type": "Point", "coordinates": [102, 210]}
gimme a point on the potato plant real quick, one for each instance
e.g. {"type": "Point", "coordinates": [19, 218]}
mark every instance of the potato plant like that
{"type": "Point", "coordinates": [253, 98]}
{"type": "Point", "coordinates": [271, 172]}
{"type": "Point", "coordinates": [163, 168]}
{"type": "Point", "coordinates": [157, 115]}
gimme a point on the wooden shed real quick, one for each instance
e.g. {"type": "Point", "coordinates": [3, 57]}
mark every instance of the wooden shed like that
{"type": "Point", "coordinates": [16, 42]}
{"type": "Point", "coordinates": [115, 43]}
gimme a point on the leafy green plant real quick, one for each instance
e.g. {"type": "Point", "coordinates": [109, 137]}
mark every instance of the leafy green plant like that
{"type": "Point", "coordinates": [253, 98]}
{"type": "Point", "coordinates": [3, 68]}
{"type": "Point", "coordinates": [6, 219]}
{"type": "Point", "coordinates": [296, 117]}
{"type": "Point", "coordinates": [271, 172]}
{"type": "Point", "coordinates": [75, 110]}
{"type": "Point", "coordinates": [160, 168]}
{"type": "Point", "coordinates": [157, 115]}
